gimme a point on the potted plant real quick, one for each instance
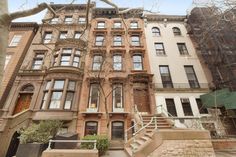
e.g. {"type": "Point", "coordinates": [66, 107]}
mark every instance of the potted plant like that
{"type": "Point", "coordinates": [34, 139]}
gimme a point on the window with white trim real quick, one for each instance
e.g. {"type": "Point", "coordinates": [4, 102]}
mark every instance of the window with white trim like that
{"type": "Point", "coordinates": [137, 62]}
{"type": "Point", "coordinates": [38, 61]}
{"type": "Point", "coordinates": [117, 62]}
{"type": "Point", "coordinates": [94, 96]}
{"type": "Point", "coordinates": [15, 40]}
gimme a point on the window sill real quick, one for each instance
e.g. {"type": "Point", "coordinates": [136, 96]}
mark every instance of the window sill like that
{"type": "Point", "coordinates": [117, 71]}
{"type": "Point", "coordinates": [118, 46]}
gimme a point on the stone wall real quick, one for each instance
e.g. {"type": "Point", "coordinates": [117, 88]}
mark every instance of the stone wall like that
{"type": "Point", "coordinates": [184, 148]}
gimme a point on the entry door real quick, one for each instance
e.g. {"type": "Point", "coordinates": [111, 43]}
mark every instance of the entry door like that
{"type": "Point", "coordinates": [23, 103]}
{"type": "Point", "coordinates": [12, 149]}
{"type": "Point", "coordinates": [117, 130]}
{"type": "Point", "coordinates": [141, 97]}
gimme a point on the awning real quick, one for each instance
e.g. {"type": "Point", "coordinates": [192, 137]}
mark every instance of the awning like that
{"type": "Point", "coordinates": [219, 98]}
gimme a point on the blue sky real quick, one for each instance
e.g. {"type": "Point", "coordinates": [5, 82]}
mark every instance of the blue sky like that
{"type": "Point", "coordinates": [170, 7]}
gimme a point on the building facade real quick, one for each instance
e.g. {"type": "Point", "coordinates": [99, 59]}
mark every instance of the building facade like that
{"type": "Point", "coordinates": [20, 37]}
{"type": "Point", "coordinates": [117, 75]}
{"type": "Point", "coordinates": [179, 76]}
{"type": "Point", "coordinates": [48, 84]}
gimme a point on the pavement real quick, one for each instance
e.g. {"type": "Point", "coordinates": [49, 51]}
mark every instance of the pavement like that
{"type": "Point", "coordinates": [115, 153]}
{"type": "Point", "coordinates": [226, 153]}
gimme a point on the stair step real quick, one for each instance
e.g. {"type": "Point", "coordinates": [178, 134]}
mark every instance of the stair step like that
{"type": "Point", "coordinates": [145, 138]}
{"type": "Point", "coordinates": [148, 134]}
{"type": "Point", "coordinates": [128, 151]}
{"type": "Point", "coordinates": [139, 141]}
{"type": "Point", "coordinates": [134, 146]}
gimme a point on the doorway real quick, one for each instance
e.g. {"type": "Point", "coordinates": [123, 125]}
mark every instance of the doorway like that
{"type": "Point", "coordinates": [12, 149]}
{"type": "Point", "coordinates": [117, 130]}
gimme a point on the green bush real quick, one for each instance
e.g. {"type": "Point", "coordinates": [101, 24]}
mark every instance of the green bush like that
{"type": "Point", "coordinates": [102, 143]}
{"type": "Point", "coordinates": [40, 133]}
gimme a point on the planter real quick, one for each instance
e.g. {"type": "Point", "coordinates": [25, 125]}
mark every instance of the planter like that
{"type": "Point", "coordinates": [31, 150]}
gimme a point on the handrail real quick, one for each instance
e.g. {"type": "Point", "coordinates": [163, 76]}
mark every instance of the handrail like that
{"type": "Point", "coordinates": [140, 116]}
{"type": "Point", "coordinates": [146, 126]}
{"type": "Point", "coordinates": [74, 141]}
{"type": "Point", "coordinates": [126, 131]}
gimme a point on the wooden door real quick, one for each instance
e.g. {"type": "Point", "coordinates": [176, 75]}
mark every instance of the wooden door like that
{"type": "Point", "coordinates": [23, 103]}
{"type": "Point", "coordinates": [141, 97]}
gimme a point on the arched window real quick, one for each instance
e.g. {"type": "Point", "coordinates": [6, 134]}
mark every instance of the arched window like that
{"type": "Point", "coordinates": [156, 32]}
{"type": "Point", "coordinates": [176, 31]}
{"type": "Point", "coordinates": [91, 128]}
{"type": "Point", "coordinates": [24, 98]}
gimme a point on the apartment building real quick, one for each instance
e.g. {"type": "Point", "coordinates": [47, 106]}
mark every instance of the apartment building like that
{"type": "Point", "coordinates": [20, 37]}
{"type": "Point", "coordinates": [179, 76]}
{"type": "Point", "coordinates": [117, 75]}
{"type": "Point", "coordinates": [48, 83]}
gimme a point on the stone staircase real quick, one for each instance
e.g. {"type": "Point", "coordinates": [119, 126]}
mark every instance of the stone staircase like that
{"type": "Point", "coordinates": [143, 138]}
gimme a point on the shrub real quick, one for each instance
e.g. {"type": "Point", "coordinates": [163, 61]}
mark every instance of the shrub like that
{"type": "Point", "coordinates": [102, 143]}
{"type": "Point", "coordinates": [40, 133]}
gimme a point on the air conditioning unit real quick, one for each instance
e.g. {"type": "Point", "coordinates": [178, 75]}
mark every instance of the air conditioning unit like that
{"type": "Point", "coordinates": [184, 100]}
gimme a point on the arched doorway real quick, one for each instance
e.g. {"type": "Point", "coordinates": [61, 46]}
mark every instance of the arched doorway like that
{"type": "Point", "coordinates": [24, 98]}
{"type": "Point", "coordinates": [12, 149]}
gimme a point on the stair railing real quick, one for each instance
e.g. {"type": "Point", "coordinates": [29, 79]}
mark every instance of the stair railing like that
{"type": "Point", "coordinates": [136, 111]}
{"type": "Point", "coordinates": [164, 111]}
{"type": "Point", "coordinates": [145, 126]}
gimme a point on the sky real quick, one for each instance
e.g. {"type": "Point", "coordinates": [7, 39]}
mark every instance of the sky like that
{"type": "Point", "coordinates": [169, 7]}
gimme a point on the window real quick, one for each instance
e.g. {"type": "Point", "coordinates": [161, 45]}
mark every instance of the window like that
{"type": "Point", "coordinates": [47, 37]}
{"type": "Point", "coordinates": [192, 79]}
{"type": "Point", "coordinates": [94, 96]}
{"type": "Point", "coordinates": [117, 130]}
{"type": "Point", "coordinates": [91, 128]}
{"type": "Point", "coordinates": [67, 57]}
{"type": "Point", "coordinates": [54, 20]}
{"type": "Point", "coordinates": [176, 31]}
{"type": "Point", "coordinates": [202, 109]}
{"type": "Point", "coordinates": [68, 20]}
{"type": "Point", "coordinates": [117, 62]}
{"type": "Point", "coordinates": [117, 24]}
{"type": "Point", "coordinates": [186, 107]}
{"type": "Point", "coordinates": [97, 62]}
{"type": "Point", "coordinates": [134, 25]}
{"type": "Point", "coordinates": [101, 24]}
{"type": "Point", "coordinates": [59, 98]}
{"type": "Point", "coordinates": [117, 97]}
{"type": "Point", "coordinates": [99, 40]}
{"type": "Point", "coordinates": [77, 35]}
{"type": "Point", "coordinates": [160, 50]}
{"type": "Point", "coordinates": [117, 41]}
{"type": "Point", "coordinates": [38, 61]}
{"type": "Point", "coordinates": [63, 35]}
{"type": "Point", "coordinates": [135, 40]}
{"type": "Point", "coordinates": [165, 76]}
{"type": "Point", "coordinates": [8, 58]}
{"type": "Point", "coordinates": [170, 104]}
{"type": "Point", "coordinates": [182, 49]}
{"type": "Point", "coordinates": [137, 62]}
{"type": "Point", "coordinates": [156, 32]}
{"type": "Point", "coordinates": [82, 20]}
{"type": "Point", "coordinates": [15, 40]}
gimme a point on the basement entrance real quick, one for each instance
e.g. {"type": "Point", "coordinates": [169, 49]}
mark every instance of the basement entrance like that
{"type": "Point", "coordinates": [12, 149]}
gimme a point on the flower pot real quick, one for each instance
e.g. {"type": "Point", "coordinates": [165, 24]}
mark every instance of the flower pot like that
{"type": "Point", "coordinates": [31, 150]}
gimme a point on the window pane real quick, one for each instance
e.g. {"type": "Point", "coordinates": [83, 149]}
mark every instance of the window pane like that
{"type": "Point", "coordinates": [59, 84]}
{"type": "Point", "coordinates": [71, 85]}
{"type": "Point", "coordinates": [137, 58]}
{"type": "Point", "coordinates": [117, 96]}
{"type": "Point", "coordinates": [77, 35]}
{"type": "Point", "coordinates": [67, 51]}
{"type": "Point", "coordinates": [186, 107]}
{"type": "Point", "coordinates": [192, 79]}
{"type": "Point", "coordinates": [82, 20]}
{"type": "Point", "coordinates": [15, 40]}
{"type": "Point", "coordinates": [69, 99]}
{"type": "Point", "coordinates": [170, 104]}
{"type": "Point", "coordinates": [91, 128]}
{"type": "Point", "coordinates": [63, 35]}
{"type": "Point", "coordinates": [101, 25]}
{"type": "Point", "coordinates": [55, 100]}
{"type": "Point", "coordinates": [117, 25]}
{"type": "Point", "coordinates": [48, 85]}
{"type": "Point", "coordinates": [94, 96]}
{"type": "Point", "coordinates": [43, 106]}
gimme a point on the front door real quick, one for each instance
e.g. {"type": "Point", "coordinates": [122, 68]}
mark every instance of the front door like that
{"type": "Point", "coordinates": [117, 131]}
{"type": "Point", "coordinates": [23, 103]}
{"type": "Point", "coordinates": [141, 97]}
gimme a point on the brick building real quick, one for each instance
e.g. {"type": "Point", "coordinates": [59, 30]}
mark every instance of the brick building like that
{"type": "Point", "coordinates": [117, 75]}
{"type": "Point", "coordinates": [20, 37]}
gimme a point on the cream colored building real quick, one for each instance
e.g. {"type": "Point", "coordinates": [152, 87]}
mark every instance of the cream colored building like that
{"type": "Point", "coordinates": [178, 74]}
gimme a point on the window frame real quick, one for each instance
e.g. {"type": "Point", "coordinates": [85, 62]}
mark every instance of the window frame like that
{"type": "Point", "coordinates": [117, 22]}
{"type": "Point", "coordinates": [86, 127]}
{"type": "Point", "coordinates": [176, 31]}
{"type": "Point", "coordinates": [192, 83]}
{"type": "Point", "coordinates": [135, 42]}
{"type": "Point", "coordinates": [117, 42]}
{"type": "Point", "coordinates": [99, 26]}
{"type": "Point", "coordinates": [47, 37]}
{"type": "Point", "coordinates": [63, 35]}
{"type": "Point", "coordinates": [159, 51]}
{"type": "Point", "coordinates": [170, 106]}
{"type": "Point", "coordinates": [186, 106]}
{"type": "Point", "coordinates": [134, 25]}
{"type": "Point", "coordinates": [182, 49]}
{"type": "Point", "coordinates": [99, 42]}
{"type": "Point", "coordinates": [114, 106]}
{"type": "Point", "coordinates": [66, 21]}
{"type": "Point", "coordinates": [95, 62]}
{"type": "Point", "coordinates": [38, 58]}
{"type": "Point", "coordinates": [168, 83]}
{"type": "Point", "coordinates": [82, 21]}
{"type": "Point", "coordinates": [117, 62]}
{"type": "Point", "coordinates": [138, 62]}
{"type": "Point", "coordinates": [94, 86]}
{"type": "Point", "coordinates": [156, 32]}
{"type": "Point", "coordinates": [15, 40]}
